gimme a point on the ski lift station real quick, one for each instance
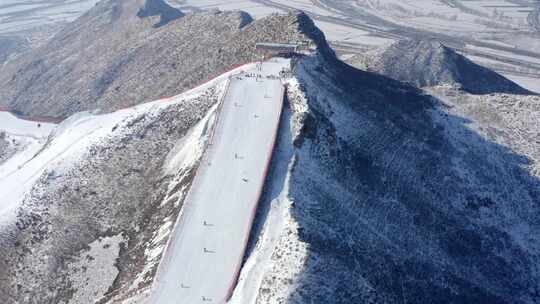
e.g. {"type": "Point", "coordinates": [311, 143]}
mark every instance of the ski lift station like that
{"type": "Point", "coordinates": [279, 49]}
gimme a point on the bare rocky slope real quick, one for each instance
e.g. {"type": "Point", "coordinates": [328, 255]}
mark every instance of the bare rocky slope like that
{"type": "Point", "coordinates": [5, 151]}
{"type": "Point", "coordinates": [121, 53]}
{"type": "Point", "coordinates": [425, 62]}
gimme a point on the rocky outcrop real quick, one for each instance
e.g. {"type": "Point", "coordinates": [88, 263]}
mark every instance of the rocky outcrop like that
{"type": "Point", "coordinates": [5, 152]}
{"type": "Point", "coordinates": [159, 8]}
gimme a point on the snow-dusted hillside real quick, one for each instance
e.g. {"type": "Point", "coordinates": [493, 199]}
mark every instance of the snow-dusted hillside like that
{"type": "Point", "coordinates": [85, 218]}
{"type": "Point", "coordinates": [22, 15]}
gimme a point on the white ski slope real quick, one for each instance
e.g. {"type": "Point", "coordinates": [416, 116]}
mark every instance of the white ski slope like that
{"type": "Point", "coordinates": [13, 125]}
{"type": "Point", "coordinates": [202, 261]}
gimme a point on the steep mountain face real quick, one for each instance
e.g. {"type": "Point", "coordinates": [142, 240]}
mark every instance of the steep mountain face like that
{"type": "Point", "coordinates": [110, 58]}
{"type": "Point", "coordinates": [425, 63]}
{"type": "Point", "coordinates": [385, 194]}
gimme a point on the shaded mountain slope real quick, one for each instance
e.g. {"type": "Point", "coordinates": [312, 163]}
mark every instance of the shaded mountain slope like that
{"type": "Point", "coordinates": [429, 63]}
{"type": "Point", "coordinates": [394, 196]}
{"type": "Point", "coordinates": [159, 8]}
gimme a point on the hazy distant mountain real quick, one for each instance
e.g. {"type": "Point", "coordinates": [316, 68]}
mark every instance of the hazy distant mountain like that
{"type": "Point", "coordinates": [429, 63]}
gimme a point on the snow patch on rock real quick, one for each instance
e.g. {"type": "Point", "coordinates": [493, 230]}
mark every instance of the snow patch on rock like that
{"type": "Point", "coordinates": [96, 262]}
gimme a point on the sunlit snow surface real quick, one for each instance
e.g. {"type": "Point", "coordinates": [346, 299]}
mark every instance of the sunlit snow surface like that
{"type": "Point", "coordinates": [19, 127]}
{"type": "Point", "coordinates": [23, 140]}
